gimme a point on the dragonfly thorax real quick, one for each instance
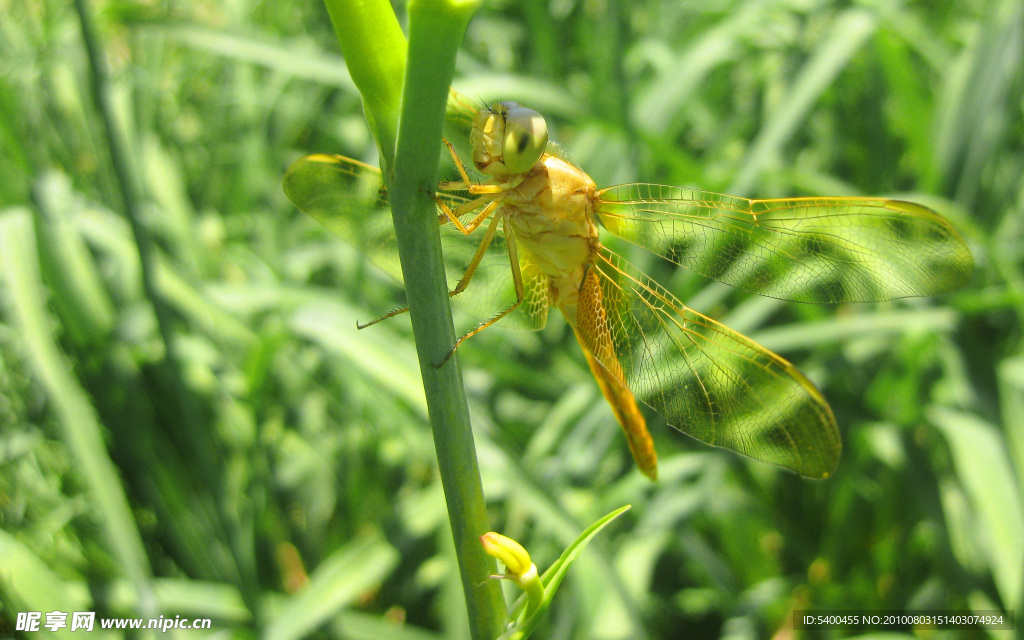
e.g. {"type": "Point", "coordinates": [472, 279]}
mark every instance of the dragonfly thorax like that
{"type": "Point", "coordinates": [551, 213]}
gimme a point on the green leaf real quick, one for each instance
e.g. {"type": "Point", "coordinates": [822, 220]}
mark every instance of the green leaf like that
{"type": "Point", "coordinates": [552, 579]}
{"type": "Point", "coordinates": [1011, 391]}
{"type": "Point", "coordinates": [28, 584]}
{"type": "Point", "coordinates": [979, 453]}
{"type": "Point", "coordinates": [338, 581]}
{"type": "Point", "coordinates": [76, 415]}
{"type": "Point", "coordinates": [375, 50]}
{"type": "Point", "coordinates": [833, 52]}
{"type": "Point", "coordinates": [69, 270]}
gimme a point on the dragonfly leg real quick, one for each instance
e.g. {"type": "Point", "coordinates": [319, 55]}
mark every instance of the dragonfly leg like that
{"type": "Point", "coordinates": [389, 314]}
{"type": "Point", "coordinates": [475, 188]}
{"type": "Point", "coordinates": [489, 194]}
{"type": "Point", "coordinates": [517, 280]}
{"type": "Point", "coordinates": [458, 165]}
{"type": "Point", "coordinates": [461, 286]}
{"type": "Point", "coordinates": [453, 216]}
{"type": "Point", "coordinates": [481, 249]}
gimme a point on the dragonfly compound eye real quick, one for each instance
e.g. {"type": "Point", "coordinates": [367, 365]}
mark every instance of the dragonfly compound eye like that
{"type": "Point", "coordinates": [526, 138]}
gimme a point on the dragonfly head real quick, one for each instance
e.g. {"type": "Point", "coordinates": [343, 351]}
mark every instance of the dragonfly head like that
{"type": "Point", "coordinates": [508, 139]}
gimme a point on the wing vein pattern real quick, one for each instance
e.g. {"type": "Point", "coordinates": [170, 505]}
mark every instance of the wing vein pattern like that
{"type": "Point", "coordinates": [711, 382]}
{"type": "Point", "coordinates": [823, 250]}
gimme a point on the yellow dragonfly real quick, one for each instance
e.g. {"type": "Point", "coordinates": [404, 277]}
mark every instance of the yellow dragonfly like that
{"type": "Point", "coordinates": [541, 248]}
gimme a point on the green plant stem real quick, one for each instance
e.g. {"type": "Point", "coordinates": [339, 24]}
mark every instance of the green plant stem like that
{"type": "Point", "coordinates": [435, 31]}
{"type": "Point", "coordinates": [125, 177]}
{"type": "Point", "coordinates": [375, 50]}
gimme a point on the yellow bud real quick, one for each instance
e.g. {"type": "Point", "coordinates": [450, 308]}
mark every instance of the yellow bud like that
{"type": "Point", "coordinates": [509, 552]}
{"type": "Point", "coordinates": [519, 568]}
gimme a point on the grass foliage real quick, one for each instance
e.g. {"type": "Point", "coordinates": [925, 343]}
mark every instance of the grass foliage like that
{"type": "Point", "coordinates": [223, 443]}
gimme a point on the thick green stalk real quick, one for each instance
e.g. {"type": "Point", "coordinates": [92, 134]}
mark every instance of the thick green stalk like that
{"type": "Point", "coordinates": [375, 51]}
{"type": "Point", "coordinates": [436, 28]}
{"type": "Point", "coordinates": [435, 31]}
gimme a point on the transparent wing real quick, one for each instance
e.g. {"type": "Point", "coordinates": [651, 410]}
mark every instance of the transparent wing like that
{"type": "Point", "coordinates": [709, 381]}
{"type": "Point", "coordinates": [348, 197]}
{"type": "Point", "coordinates": [458, 121]}
{"type": "Point", "coordinates": [803, 249]}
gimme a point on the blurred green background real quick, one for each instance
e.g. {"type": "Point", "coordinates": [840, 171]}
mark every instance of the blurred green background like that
{"type": "Point", "coordinates": [273, 469]}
